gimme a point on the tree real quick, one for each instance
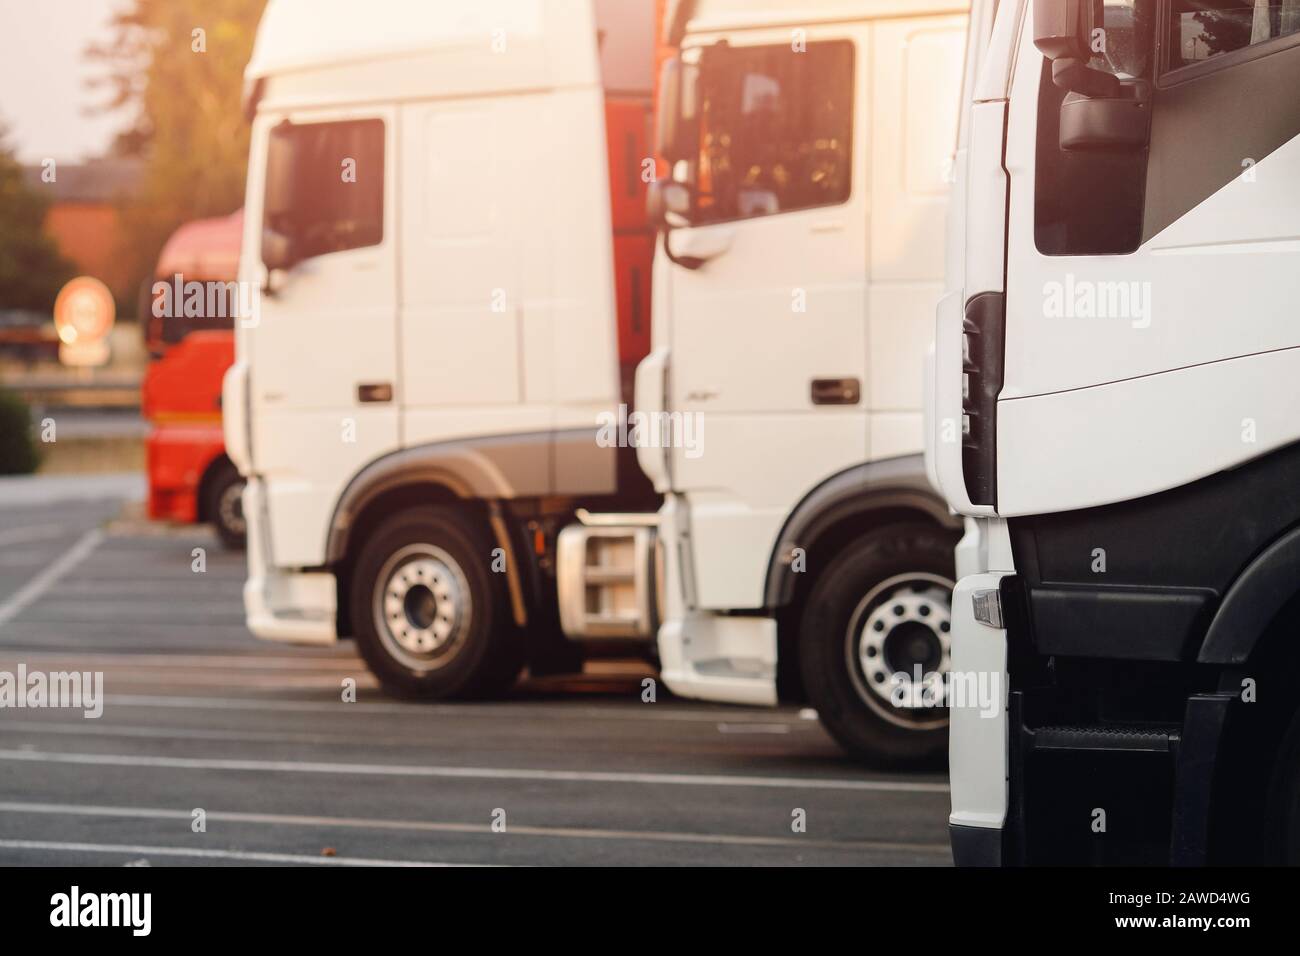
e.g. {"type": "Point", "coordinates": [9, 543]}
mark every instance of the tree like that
{"type": "Point", "coordinates": [1223, 31]}
{"type": "Point", "coordinates": [178, 66]}
{"type": "Point", "coordinates": [31, 269]}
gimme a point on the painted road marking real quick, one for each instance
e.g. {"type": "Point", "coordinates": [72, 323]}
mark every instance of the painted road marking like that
{"type": "Point", "coordinates": [46, 579]}
{"type": "Point", "coordinates": [470, 773]}
{"type": "Point", "coordinates": [180, 851]}
{"type": "Point", "coordinates": [428, 826]}
{"type": "Point", "coordinates": [631, 712]}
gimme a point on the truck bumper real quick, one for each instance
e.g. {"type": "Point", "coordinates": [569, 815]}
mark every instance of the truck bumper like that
{"type": "Point", "coordinates": [727, 659]}
{"type": "Point", "coordinates": [978, 732]}
{"type": "Point", "coordinates": [283, 605]}
{"type": "Point", "coordinates": [975, 846]}
{"type": "Point", "coordinates": [979, 728]}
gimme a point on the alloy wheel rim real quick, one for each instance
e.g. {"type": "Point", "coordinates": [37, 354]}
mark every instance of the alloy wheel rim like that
{"type": "Point", "coordinates": [422, 607]}
{"type": "Point", "coordinates": [902, 624]}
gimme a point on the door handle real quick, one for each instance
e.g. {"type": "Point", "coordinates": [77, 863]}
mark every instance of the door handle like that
{"type": "Point", "coordinates": [836, 391]}
{"type": "Point", "coordinates": [375, 392]}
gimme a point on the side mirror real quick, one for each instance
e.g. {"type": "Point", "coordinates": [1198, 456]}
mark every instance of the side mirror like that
{"type": "Point", "coordinates": [279, 199]}
{"type": "Point", "coordinates": [675, 129]}
{"type": "Point", "coordinates": [278, 250]}
{"type": "Point", "coordinates": [1063, 28]}
{"type": "Point", "coordinates": [666, 197]}
{"type": "Point", "coordinates": [1063, 31]}
{"type": "Point", "coordinates": [1100, 111]}
{"type": "Point", "coordinates": [280, 180]}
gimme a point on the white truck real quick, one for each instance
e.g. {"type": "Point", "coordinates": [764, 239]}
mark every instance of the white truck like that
{"type": "Point", "coordinates": [1119, 355]}
{"type": "Point", "coordinates": [428, 408]}
{"type": "Point", "coordinates": [806, 557]}
{"type": "Point", "coordinates": [446, 215]}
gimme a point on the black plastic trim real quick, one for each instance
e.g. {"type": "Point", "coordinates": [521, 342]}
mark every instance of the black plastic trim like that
{"type": "Point", "coordinates": [1161, 568]}
{"type": "Point", "coordinates": [1256, 597]}
{"type": "Point", "coordinates": [983, 363]}
{"type": "Point", "coordinates": [975, 846]}
{"type": "Point", "coordinates": [1145, 624]}
{"type": "Point", "coordinates": [1195, 773]}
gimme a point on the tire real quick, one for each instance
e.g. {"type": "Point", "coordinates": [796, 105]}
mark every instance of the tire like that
{"type": "Point", "coordinates": [882, 605]}
{"type": "Point", "coordinates": [430, 619]}
{"type": "Point", "coordinates": [224, 506]}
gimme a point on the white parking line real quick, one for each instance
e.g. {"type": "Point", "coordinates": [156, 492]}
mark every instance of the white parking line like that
{"type": "Point", "coordinates": [50, 576]}
{"type": "Point", "coordinates": [428, 826]}
{"type": "Point", "coordinates": [470, 773]}
{"type": "Point", "coordinates": [250, 661]}
{"type": "Point", "coordinates": [769, 728]}
{"type": "Point", "coordinates": [99, 729]}
{"type": "Point", "coordinates": [21, 728]}
{"type": "Point", "coordinates": [631, 712]}
{"type": "Point", "coordinates": [180, 851]}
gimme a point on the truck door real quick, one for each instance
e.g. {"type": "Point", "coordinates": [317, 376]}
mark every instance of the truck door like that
{"type": "Point", "coordinates": [768, 333]}
{"type": "Point", "coordinates": [323, 370]}
{"type": "Point", "coordinates": [1151, 266]}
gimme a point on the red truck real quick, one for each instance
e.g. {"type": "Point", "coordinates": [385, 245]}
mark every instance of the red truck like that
{"type": "Point", "coordinates": [190, 477]}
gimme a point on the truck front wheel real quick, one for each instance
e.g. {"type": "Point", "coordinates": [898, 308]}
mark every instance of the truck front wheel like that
{"type": "Point", "coordinates": [874, 642]}
{"type": "Point", "coordinates": [429, 617]}
{"type": "Point", "coordinates": [224, 506]}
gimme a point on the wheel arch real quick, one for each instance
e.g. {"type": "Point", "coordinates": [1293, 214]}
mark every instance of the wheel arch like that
{"type": "Point", "coordinates": [835, 513]}
{"type": "Point", "coordinates": [1258, 596]}
{"type": "Point", "coordinates": [468, 475]}
{"type": "Point", "coordinates": [844, 506]}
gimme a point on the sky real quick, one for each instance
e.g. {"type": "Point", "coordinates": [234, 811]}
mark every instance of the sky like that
{"type": "Point", "coordinates": [43, 96]}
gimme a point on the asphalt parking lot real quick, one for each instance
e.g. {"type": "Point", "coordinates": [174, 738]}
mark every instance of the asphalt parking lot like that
{"type": "Point", "coordinates": [204, 724]}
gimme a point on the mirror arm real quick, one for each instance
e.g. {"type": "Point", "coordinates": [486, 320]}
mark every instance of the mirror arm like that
{"type": "Point", "coordinates": [686, 262]}
{"type": "Point", "coordinates": [1077, 77]}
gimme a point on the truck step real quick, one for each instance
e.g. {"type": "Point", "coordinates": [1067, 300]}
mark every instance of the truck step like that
{"type": "Point", "coordinates": [1104, 737]}
{"type": "Point", "coordinates": [606, 582]}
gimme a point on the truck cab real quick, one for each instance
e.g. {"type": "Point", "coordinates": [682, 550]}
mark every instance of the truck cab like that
{"type": "Point", "coordinates": [1113, 388]}
{"type": "Point", "coordinates": [446, 220]}
{"type": "Point", "coordinates": [189, 313]}
{"type": "Point", "coordinates": [802, 205]}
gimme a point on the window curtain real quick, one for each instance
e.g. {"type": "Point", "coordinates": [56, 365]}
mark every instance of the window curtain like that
{"type": "Point", "coordinates": [1290, 17]}
{"type": "Point", "coordinates": [1262, 26]}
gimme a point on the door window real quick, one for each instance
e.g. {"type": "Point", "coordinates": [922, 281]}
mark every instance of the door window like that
{"type": "Point", "coordinates": [337, 184]}
{"type": "Point", "coordinates": [1202, 30]}
{"type": "Point", "coordinates": [776, 128]}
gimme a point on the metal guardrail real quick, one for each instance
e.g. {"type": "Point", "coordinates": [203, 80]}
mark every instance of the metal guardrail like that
{"type": "Point", "coordinates": [38, 385]}
{"type": "Point", "coordinates": [70, 393]}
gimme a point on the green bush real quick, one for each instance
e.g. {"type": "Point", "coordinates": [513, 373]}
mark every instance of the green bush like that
{"type": "Point", "coordinates": [18, 454]}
